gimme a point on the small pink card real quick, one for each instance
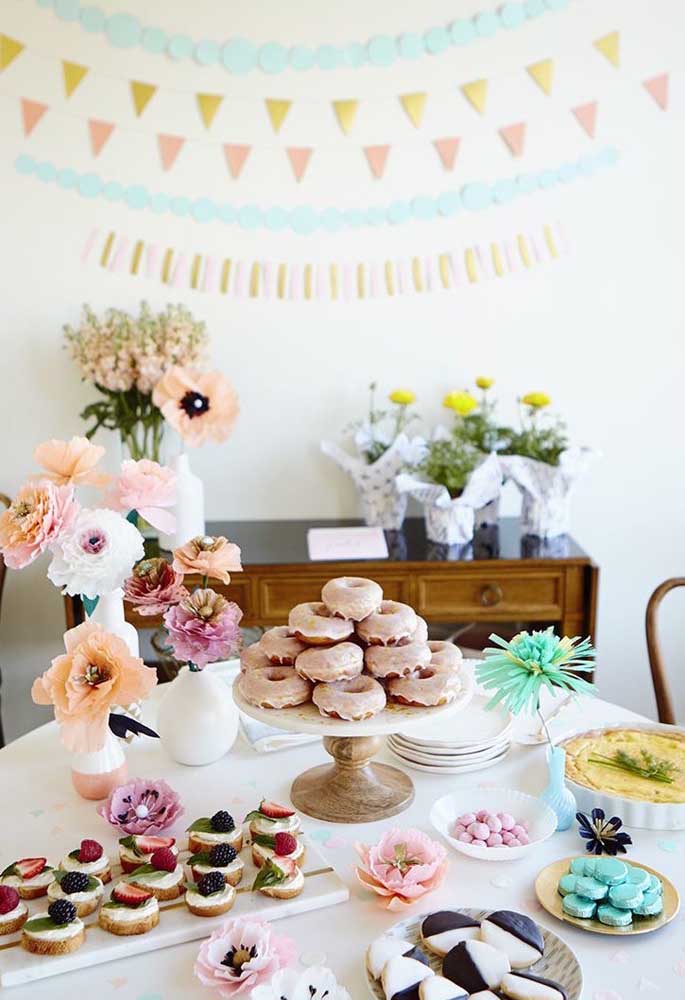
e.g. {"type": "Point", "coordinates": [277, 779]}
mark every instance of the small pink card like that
{"type": "Point", "coordinates": [346, 543]}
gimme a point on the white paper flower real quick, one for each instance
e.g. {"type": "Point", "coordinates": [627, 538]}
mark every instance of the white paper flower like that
{"type": "Point", "coordinates": [96, 555]}
{"type": "Point", "coordinates": [367, 435]}
{"type": "Point", "coordinates": [316, 983]}
{"type": "Point", "coordinates": [413, 450]}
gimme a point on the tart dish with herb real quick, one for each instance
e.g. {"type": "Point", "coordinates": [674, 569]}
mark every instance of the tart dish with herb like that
{"type": "Point", "coordinates": [220, 858]}
{"type": "Point", "coordinates": [280, 878]}
{"type": "Point", "coordinates": [84, 891]}
{"type": "Point", "coordinates": [130, 910]}
{"type": "Point", "coordinates": [162, 875]}
{"type": "Point", "coordinates": [29, 876]}
{"type": "Point", "coordinates": [13, 912]}
{"type": "Point", "coordinates": [57, 932]}
{"type": "Point", "coordinates": [90, 859]}
{"type": "Point", "coordinates": [211, 896]}
{"type": "Point", "coordinates": [271, 818]}
{"type": "Point", "coordinates": [135, 850]}
{"type": "Point", "coordinates": [217, 829]}
{"type": "Point", "coordinates": [281, 845]}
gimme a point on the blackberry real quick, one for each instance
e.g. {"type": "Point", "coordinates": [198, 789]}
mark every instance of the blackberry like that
{"type": "Point", "coordinates": [222, 822]}
{"type": "Point", "coordinates": [221, 855]}
{"type": "Point", "coordinates": [211, 882]}
{"type": "Point", "coordinates": [74, 882]}
{"type": "Point", "coordinates": [62, 911]}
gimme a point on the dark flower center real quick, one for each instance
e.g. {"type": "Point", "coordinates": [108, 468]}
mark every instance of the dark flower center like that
{"type": "Point", "coordinates": [194, 404]}
{"type": "Point", "coordinates": [237, 957]}
{"type": "Point", "coordinates": [95, 674]}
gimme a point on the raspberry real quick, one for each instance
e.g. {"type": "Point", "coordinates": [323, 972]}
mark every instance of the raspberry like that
{"type": "Point", "coordinates": [164, 860]}
{"type": "Point", "coordinates": [62, 911]}
{"type": "Point", "coordinates": [90, 851]}
{"type": "Point", "coordinates": [221, 855]}
{"type": "Point", "coordinates": [284, 844]}
{"type": "Point", "coordinates": [211, 882]}
{"type": "Point", "coordinates": [9, 899]}
{"type": "Point", "coordinates": [74, 882]}
{"type": "Point", "coordinates": [222, 822]}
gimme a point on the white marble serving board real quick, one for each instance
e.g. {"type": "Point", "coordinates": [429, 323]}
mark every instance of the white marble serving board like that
{"type": "Point", "coordinates": [323, 887]}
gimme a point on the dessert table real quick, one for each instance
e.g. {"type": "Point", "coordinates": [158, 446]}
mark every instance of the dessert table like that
{"type": "Point", "coordinates": [42, 814]}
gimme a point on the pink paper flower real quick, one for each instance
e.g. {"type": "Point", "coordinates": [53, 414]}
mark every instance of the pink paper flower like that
{"type": "Point", "coordinates": [200, 406]}
{"type": "Point", "coordinates": [154, 586]}
{"type": "Point", "coordinates": [204, 628]}
{"type": "Point", "coordinates": [142, 807]}
{"type": "Point", "coordinates": [240, 955]}
{"type": "Point", "coordinates": [146, 487]}
{"type": "Point", "coordinates": [36, 519]}
{"type": "Point", "coordinates": [402, 867]}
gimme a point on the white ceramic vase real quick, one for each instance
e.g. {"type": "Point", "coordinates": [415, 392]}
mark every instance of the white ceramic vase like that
{"type": "Point", "coordinates": [109, 612]}
{"type": "Point", "coordinates": [95, 774]}
{"type": "Point", "coordinates": [190, 506]}
{"type": "Point", "coordinates": [198, 719]}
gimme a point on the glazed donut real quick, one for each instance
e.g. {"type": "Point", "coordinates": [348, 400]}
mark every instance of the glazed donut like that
{"type": "Point", "coordinates": [315, 625]}
{"type": "Point", "coordinates": [253, 658]}
{"type": "Point", "coordinates": [421, 630]}
{"type": "Point", "coordinates": [331, 663]}
{"type": "Point", "coordinates": [426, 688]}
{"type": "Point", "coordinates": [396, 661]}
{"type": "Point", "coordinates": [445, 654]}
{"type": "Point", "coordinates": [280, 646]}
{"type": "Point", "coordinates": [352, 597]}
{"type": "Point", "coordinates": [391, 625]}
{"type": "Point", "coordinates": [274, 687]}
{"type": "Point", "coordinates": [360, 698]}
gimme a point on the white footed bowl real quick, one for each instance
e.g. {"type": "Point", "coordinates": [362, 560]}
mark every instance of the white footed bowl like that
{"type": "Point", "coordinates": [541, 820]}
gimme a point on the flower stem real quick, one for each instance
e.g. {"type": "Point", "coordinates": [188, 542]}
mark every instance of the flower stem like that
{"type": "Point", "coordinates": [544, 726]}
{"type": "Point", "coordinates": [193, 667]}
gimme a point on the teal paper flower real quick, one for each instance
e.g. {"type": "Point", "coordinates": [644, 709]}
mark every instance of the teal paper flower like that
{"type": "Point", "coordinates": [519, 670]}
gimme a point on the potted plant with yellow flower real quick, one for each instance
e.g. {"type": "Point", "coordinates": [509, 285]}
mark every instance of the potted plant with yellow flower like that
{"type": "Point", "coordinates": [383, 448]}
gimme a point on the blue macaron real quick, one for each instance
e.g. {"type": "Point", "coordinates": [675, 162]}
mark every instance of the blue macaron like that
{"type": "Point", "coordinates": [652, 904]}
{"type": "Point", "coordinates": [625, 896]}
{"type": "Point", "coordinates": [639, 878]}
{"type": "Point", "coordinates": [591, 888]}
{"type": "Point", "coordinates": [613, 916]}
{"type": "Point", "coordinates": [611, 871]}
{"type": "Point", "coordinates": [567, 883]}
{"type": "Point", "coordinates": [578, 906]}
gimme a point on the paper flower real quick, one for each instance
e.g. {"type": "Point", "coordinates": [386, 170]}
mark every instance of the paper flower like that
{"type": "Point", "coordinates": [241, 955]}
{"type": "Point", "coordinates": [203, 628]}
{"type": "Point", "coordinates": [96, 555]}
{"type": "Point", "coordinates": [154, 586]}
{"type": "Point", "coordinates": [603, 835]}
{"type": "Point", "coordinates": [142, 807]}
{"type": "Point", "coordinates": [71, 462]}
{"type": "Point", "coordinates": [40, 514]}
{"type": "Point", "coordinates": [208, 556]}
{"type": "Point", "coordinates": [530, 662]}
{"type": "Point", "coordinates": [96, 672]}
{"type": "Point", "coordinates": [402, 867]}
{"type": "Point", "coordinates": [537, 400]}
{"type": "Point", "coordinates": [148, 488]}
{"type": "Point", "coordinates": [315, 983]}
{"type": "Point", "coordinates": [484, 382]}
{"type": "Point", "coordinates": [200, 406]}
{"type": "Point", "coordinates": [402, 397]}
{"type": "Point", "coordinates": [462, 402]}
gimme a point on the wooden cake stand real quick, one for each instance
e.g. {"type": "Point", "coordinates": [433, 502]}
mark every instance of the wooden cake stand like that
{"type": "Point", "coordinates": [352, 789]}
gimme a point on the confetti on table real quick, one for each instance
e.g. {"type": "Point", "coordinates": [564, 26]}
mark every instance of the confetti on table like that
{"type": "Point", "coordinates": [607, 995]}
{"type": "Point", "coordinates": [647, 986]}
{"type": "Point", "coordinates": [36, 813]}
{"type": "Point", "coordinates": [320, 835]}
{"type": "Point", "coordinates": [619, 957]}
{"type": "Point", "coordinates": [310, 958]}
{"type": "Point", "coordinates": [336, 843]}
{"type": "Point", "coordinates": [667, 845]}
{"type": "Point", "coordinates": [118, 982]}
{"type": "Point", "coordinates": [679, 969]}
{"type": "Point", "coordinates": [501, 882]}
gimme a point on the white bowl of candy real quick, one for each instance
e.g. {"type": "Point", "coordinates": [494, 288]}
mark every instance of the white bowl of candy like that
{"type": "Point", "coordinates": [494, 824]}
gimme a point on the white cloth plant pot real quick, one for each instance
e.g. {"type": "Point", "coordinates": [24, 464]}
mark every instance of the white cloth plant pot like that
{"type": "Point", "coordinates": [198, 719]}
{"type": "Point", "coordinates": [546, 489]}
{"type": "Point", "coordinates": [380, 503]}
{"type": "Point", "coordinates": [488, 514]}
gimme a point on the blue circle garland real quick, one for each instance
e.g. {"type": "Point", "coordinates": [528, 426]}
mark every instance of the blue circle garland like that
{"type": "Point", "coordinates": [305, 219]}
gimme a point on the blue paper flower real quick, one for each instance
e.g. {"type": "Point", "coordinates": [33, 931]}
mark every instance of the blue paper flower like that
{"type": "Point", "coordinates": [602, 834]}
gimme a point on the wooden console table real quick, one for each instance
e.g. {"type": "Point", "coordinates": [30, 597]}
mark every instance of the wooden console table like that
{"type": "Point", "coordinates": [501, 576]}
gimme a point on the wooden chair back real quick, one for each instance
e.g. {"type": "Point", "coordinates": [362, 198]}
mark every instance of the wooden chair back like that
{"type": "Point", "coordinates": [5, 501]}
{"type": "Point", "coordinates": [662, 691]}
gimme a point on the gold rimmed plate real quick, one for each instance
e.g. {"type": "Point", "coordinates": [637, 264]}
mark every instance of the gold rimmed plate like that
{"type": "Point", "coordinates": [548, 895]}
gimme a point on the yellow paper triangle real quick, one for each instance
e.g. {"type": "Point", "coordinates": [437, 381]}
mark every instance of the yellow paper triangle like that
{"type": "Point", "coordinates": [476, 94]}
{"type": "Point", "coordinates": [10, 48]}
{"type": "Point", "coordinates": [346, 112]}
{"type": "Point", "coordinates": [609, 46]}
{"type": "Point", "coordinates": [73, 73]}
{"type": "Point", "coordinates": [542, 72]}
{"type": "Point", "coordinates": [208, 104]}
{"type": "Point", "coordinates": [142, 95]}
{"type": "Point", "coordinates": [414, 105]}
{"type": "Point", "coordinates": [277, 111]}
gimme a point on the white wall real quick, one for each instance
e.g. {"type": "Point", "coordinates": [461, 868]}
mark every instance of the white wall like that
{"type": "Point", "coordinates": [601, 330]}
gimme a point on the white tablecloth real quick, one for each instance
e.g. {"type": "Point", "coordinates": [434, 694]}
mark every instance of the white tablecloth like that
{"type": "Point", "coordinates": [42, 815]}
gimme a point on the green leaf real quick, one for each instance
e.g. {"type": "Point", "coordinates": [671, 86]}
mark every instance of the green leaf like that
{"type": "Point", "coordinates": [60, 875]}
{"type": "Point", "coordinates": [148, 871]}
{"type": "Point", "coordinates": [269, 874]}
{"type": "Point", "coordinates": [199, 859]}
{"type": "Point", "coordinates": [202, 825]}
{"type": "Point", "coordinates": [113, 905]}
{"type": "Point", "coordinates": [75, 854]}
{"type": "Point", "coordinates": [257, 814]}
{"type": "Point", "coordinates": [130, 843]}
{"type": "Point", "coordinates": [40, 924]}
{"type": "Point", "coordinates": [10, 870]}
{"type": "Point", "coordinates": [264, 840]}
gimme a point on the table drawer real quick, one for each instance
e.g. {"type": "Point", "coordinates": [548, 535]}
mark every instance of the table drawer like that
{"type": "Point", "coordinates": [482, 595]}
{"type": "Point", "coordinates": [278, 594]}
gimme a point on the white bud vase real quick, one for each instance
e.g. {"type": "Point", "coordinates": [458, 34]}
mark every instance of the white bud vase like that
{"type": "Point", "coordinates": [198, 719]}
{"type": "Point", "coordinates": [95, 774]}
{"type": "Point", "coordinates": [109, 612]}
{"type": "Point", "coordinates": [190, 506]}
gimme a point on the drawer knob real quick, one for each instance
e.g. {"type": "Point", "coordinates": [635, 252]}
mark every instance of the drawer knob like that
{"type": "Point", "coordinates": [491, 594]}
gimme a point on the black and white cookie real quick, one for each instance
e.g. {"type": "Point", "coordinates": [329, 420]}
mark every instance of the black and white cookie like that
{"type": "Point", "coordinates": [382, 950]}
{"type": "Point", "coordinates": [516, 935]}
{"type": "Point", "coordinates": [475, 965]}
{"type": "Point", "coordinates": [444, 930]}
{"type": "Point", "coordinates": [526, 986]}
{"type": "Point", "coordinates": [486, 995]}
{"type": "Point", "coordinates": [438, 988]}
{"type": "Point", "coordinates": [402, 976]}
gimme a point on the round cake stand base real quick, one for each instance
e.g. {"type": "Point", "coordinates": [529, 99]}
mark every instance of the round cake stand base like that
{"type": "Point", "coordinates": [352, 789]}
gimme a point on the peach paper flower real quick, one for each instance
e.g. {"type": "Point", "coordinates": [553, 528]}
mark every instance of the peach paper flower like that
{"type": "Point", "coordinates": [201, 406]}
{"type": "Point", "coordinates": [146, 487]}
{"type": "Point", "coordinates": [96, 672]}
{"type": "Point", "coordinates": [71, 462]}
{"type": "Point", "coordinates": [208, 556]}
{"type": "Point", "coordinates": [38, 516]}
{"type": "Point", "coordinates": [402, 867]}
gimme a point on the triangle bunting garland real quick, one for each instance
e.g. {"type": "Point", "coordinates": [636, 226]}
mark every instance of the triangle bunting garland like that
{"type": "Point", "coordinates": [169, 148]}
{"type": "Point", "coordinates": [99, 134]}
{"type": "Point", "coordinates": [208, 104]}
{"type": "Point", "coordinates": [10, 48]}
{"type": "Point", "coordinates": [31, 114]}
{"type": "Point", "coordinates": [657, 88]}
{"type": "Point", "coordinates": [542, 73]}
{"type": "Point", "coordinates": [586, 116]}
{"type": "Point", "coordinates": [514, 136]}
{"type": "Point", "coordinates": [235, 158]}
{"type": "Point", "coordinates": [346, 112]}
{"type": "Point", "coordinates": [72, 73]}
{"type": "Point", "coordinates": [377, 157]}
{"type": "Point", "coordinates": [142, 94]}
{"type": "Point", "coordinates": [476, 93]}
{"type": "Point", "coordinates": [447, 151]}
{"type": "Point", "coordinates": [299, 157]}
{"type": "Point", "coordinates": [610, 47]}
{"type": "Point", "coordinates": [277, 111]}
{"type": "Point", "coordinates": [414, 106]}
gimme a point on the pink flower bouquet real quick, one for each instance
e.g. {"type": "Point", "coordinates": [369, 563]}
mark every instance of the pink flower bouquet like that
{"type": "Point", "coordinates": [38, 517]}
{"type": "Point", "coordinates": [142, 807]}
{"type": "Point", "coordinates": [241, 955]}
{"type": "Point", "coordinates": [203, 628]}
{"type": "Point", "coordinates": [154, 586]}
{"type": "Point", "coordinates": [402, 867]}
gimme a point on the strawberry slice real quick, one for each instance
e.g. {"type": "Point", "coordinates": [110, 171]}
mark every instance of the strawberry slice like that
{"type": "Point", "coordinates": [275, 811]}
{"type": "Point", "coordinates": [148, 845]}
{"type": "Point", "coordinates": [286, 865]}
{"type": "Point", "coordinates": [30, 867]}
{"type": "Point", "coordinates": [131, 895]}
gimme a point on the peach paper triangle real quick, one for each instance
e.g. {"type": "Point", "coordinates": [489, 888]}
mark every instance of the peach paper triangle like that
{"type": "Point", "coordinates": [346, 112]}
{"type": "Point", "coordinates": [31, 113]}
{"type": "Point", "coordinates": [542, 73]}
{"type": "Point", "coordinates": [586, 116]}
{"type": "Point", "coordinates": [235, 157]}
{"type": "Point", "coordinates": [299, 157]}
{"type": "Point", "coordinates": [10, 48]}
{"type": "Point", "coordinates": [169, 148]}
{"type": "Point", "coordinates": [657, 87]}
{"type": "Point", "coordinates": [377, 157]}
{"type": "Point", "coordinates": [610, 47]}
{"type": "Point", "coordinates": [414, 105]}
{"type": "Point", "coordinates": [514, 136]}
{"type": "Point", "coordinates": [208, 104]}
{"type": "Point", "coordinates": [142, 94]}
{"type": "Point", "coordinates": [72, 73]}
{"type": "Point", "coordinates": [447, 151]}
{"type": "Point", "coordinates": [99, 134]}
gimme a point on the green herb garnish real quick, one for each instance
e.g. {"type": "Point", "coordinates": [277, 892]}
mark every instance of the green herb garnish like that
{"type": "Point", "coordinates": [113, 905]}
{"type": "Point", "coordinates": [149, 871]}
{"type": "Point", "coordinates": [258, 814]}
{"type": "Point", "coordinates": [202, 825]}
{"type": "Point", "coordinates": [200, 859]}
{"type": "Point", "coordinates": [93, 883]}
{"type": "Point", "coordinates": [645, 766]}
{"type": "Point", "coordinates": [264, 840]}
{"type": "Point", "coordinates": [268, 874]}
{"type": "Point", "coordinates": [129, 842]}
{"type": "Point", "coordinates": [41, 924]}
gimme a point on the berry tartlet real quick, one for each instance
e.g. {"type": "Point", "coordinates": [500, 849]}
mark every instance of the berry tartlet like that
{"type": "Point", "coordinates": [283, 845]}
{"type": "Point", "coordinates": [222, 858]}
{"type": "Point", "coordinates": [130, 910]}
{"type": "Point", "coordinates": [84, 891]}
{"type": "Point", "coordinates": [280, 878]}
{"type": "Point", "coordinates": [13, 913]}
{"type": "Point", "coordinates": [57, 932]}
{"type": "Point", "coordinates": [89, 859]}
{"type": "Point", "coordinates": [29, 876]}
{"type": "Point", "coordinates": [135, 851]}
{"type": "Point", "coordinates": [162, 875]}
{"type": "Point", "coordinates": [272, 818]}
{"type": "Point", "coordinates": [217, 829]}
{"type": "Point", "coordinates": [211, 896]}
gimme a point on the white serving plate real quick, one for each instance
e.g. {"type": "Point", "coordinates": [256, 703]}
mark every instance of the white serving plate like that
{"type": "Point", "coordinates": [453, 768]}
{"type": "Point", "coordinates": [558, 963]}
{"type": "Point", "coordinates": [478, 727]}
{"type": "Point", "coordinates": [443, 760]}
{"type": "Point", "coordinates": [448, 751]}
{"type": "Point", "coordinates": [633, 812]}
{"type": "Point", "coordinates": [541, 820]}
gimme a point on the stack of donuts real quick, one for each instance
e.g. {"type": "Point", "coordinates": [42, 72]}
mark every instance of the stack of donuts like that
{"type": "Point", "coordinates": [350, 653]}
